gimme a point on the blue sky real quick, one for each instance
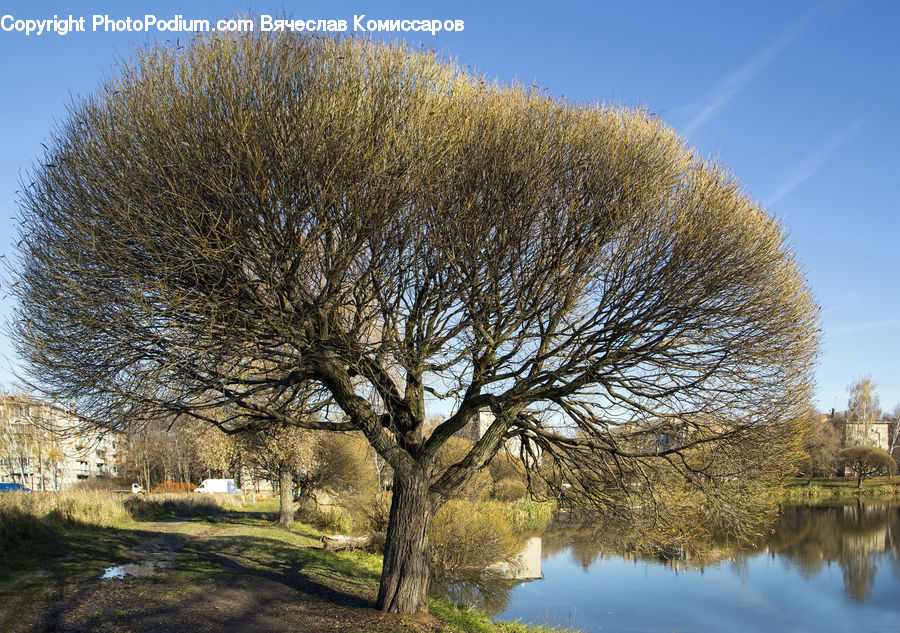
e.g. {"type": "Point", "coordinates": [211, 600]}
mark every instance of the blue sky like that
{"type": "Point", "coordinates": [799, 99]}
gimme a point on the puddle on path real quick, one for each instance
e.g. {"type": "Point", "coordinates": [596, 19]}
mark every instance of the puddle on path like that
{"type": "Point", "coordinates": [138, 570]}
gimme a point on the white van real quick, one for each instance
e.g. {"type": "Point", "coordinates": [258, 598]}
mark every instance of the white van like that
{"type": "Point", "coordinates": [218, 485]}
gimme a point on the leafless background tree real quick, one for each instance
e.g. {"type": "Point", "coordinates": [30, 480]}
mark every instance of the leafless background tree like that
{"type": "Point", "coordinates": [278, 452]}
{"type": "Point", "coordinates": [220, 227]}
{"type": "Point", "coordinates": [863, 410]}
{"type": "Point", "coordinates": [821, 443]}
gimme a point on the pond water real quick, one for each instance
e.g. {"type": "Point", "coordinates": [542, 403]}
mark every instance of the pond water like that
{"type": "Point", "coordinates": [825, 568]}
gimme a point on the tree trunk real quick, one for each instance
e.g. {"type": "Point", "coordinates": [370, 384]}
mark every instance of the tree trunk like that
{"type": "Point", "coordinates": [41, 466]}
{"type": "Point", "coordinates": [285, 488]}
{"type": "Point", "coordinates": [859, 480]}
{"type": "Point", "coordinates": [404, 576]}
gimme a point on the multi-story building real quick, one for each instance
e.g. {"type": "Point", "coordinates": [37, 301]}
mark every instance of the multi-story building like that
{"type": "Point", "coordinates": [46, 447]}
{"type": "Point", "coordinates": [875, 433]}
{"type": "Point", "coordinates": [482, 420]}
{"type": "Point", "coordinates": [879, 433]}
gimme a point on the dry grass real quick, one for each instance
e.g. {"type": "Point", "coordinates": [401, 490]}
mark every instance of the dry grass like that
{"type": "Point", "coordinates": [180, 487]}
{"type": "Point", "coordinates": [95, 507]}
{"type": "Point", "coordinates": [527, 514]}
{"type": "Point", "coordinates": [841, 488]}
{"type": "Point", "coordinates": [39, 516]}
{"type": "Point", "coordinates": [180, 504]}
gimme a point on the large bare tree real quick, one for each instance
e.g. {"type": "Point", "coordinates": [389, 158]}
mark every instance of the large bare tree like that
{"type": "Point", "coordinates": [225, 226]}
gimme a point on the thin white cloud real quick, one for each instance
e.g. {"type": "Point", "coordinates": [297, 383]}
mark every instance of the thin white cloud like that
{"type": "Point", "coordinates": [866, 326]}
{"type": "Point", "coordinates": [813, 162]}
{"type": "Point", "coordinates": [851, 300]}
{"type": "Point", "coordinates": [728, 87]}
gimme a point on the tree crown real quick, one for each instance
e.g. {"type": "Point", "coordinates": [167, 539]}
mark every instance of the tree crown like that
{"type": "Point", "coordinates": [219, 229]}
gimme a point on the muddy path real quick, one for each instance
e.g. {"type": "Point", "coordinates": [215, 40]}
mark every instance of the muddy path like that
{"type": "Point", "coordinates": [198, 576]}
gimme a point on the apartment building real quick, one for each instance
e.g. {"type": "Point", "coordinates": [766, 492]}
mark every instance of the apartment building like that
{"type": "Point", "coordinates": [46, 447]}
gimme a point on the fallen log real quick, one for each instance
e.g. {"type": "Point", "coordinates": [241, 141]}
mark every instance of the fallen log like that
{"type": "Point", "coordinates": [339, 541]}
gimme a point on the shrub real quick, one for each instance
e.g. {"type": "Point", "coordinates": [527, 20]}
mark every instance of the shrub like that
{"type": "Point", "coordinates": [178, 487]}
{"type": "Point", "coordinates": [866, 461]}
{"type": "Point", "coordinates": [510, 489]}
{"type": "Point", "coordinates": [102, 483]}
{"type": "Point", "coordinates": [344, 465]}
{"type": "Point", "coordinates": [505, 466]}
{"type": "Point", "coordinates": [807, 492]}
{"type": "Point", "coordinates": [380, 513]}
{"type": "Point", "coordinates": [333, 520]}
{"type": "Point", "coordinates": [883, 490]}
{"type": "Point", "coordinates": [479, 485]}
{"type": "Point", "coordinates": [468, 536]}
{"type": "Point", "coordinates": [345, 482]}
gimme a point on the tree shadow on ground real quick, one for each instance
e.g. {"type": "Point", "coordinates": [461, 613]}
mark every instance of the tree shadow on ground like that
{"type": "Point", "coordinates": [208, 582]}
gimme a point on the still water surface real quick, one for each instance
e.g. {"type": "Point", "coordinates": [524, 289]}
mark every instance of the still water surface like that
{"type": "Point", "coordinates": [826, 568]}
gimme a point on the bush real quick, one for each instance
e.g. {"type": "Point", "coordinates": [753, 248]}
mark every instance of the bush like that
{"type": "Point", "coordinates": [331, 519]}
{"type": "Point", "coordinates": [344, 465]}
{"type": "Point", "coordinates": [346, 485]}
{"type": "Point", "coordinates": [510, 489]}
{"type": "Point", "coordinates": [380, 513]}
{"type": "Point", "coordinates": [808, 492]}
{"type": "Point", "coordinates": [453, 450]}
{"type": "Point", "coordinates": [468, 536]}
{"type": "Point", "coordinates": [866, 461]}
{"type": "Point", "coordinates": [505, 466]}
{"type": "Point", "coordinates": [177, 487]}
{"type": "Point", "coordinates": [102, 483]}
{"type": "Point", "coordinates": [883, 490]}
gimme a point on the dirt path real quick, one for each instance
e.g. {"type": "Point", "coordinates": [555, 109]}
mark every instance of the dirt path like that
{"type": "Point", "coordinates": [204, 578]}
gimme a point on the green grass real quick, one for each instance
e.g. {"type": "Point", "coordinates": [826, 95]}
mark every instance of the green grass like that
{"type": "Point", "coordinates": [462, 619]}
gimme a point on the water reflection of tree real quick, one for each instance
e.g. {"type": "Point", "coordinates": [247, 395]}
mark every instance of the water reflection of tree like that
{"type": "Point", "coordinates": [589, 541]}
{"type": "Point", "coordinates": [894, 540]}
{"type": "Point", "coordinates": [859, 575]}
{"type": "Point", "coordinates": [488, 593]}
{"type": "Point", "coordinates": [805, 537]}
{"type": "Point", "coordinates": [586, 541]}
{"type": "Point", "coordinates": [852, 535]}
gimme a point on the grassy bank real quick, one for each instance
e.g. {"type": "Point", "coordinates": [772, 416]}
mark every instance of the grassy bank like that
{"type": "Point", "coordinates": [825, 488]}
{"type": "Point", "coordinates": [217, 565]}
{"type": "Point", "coordinates": [466, 620]}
